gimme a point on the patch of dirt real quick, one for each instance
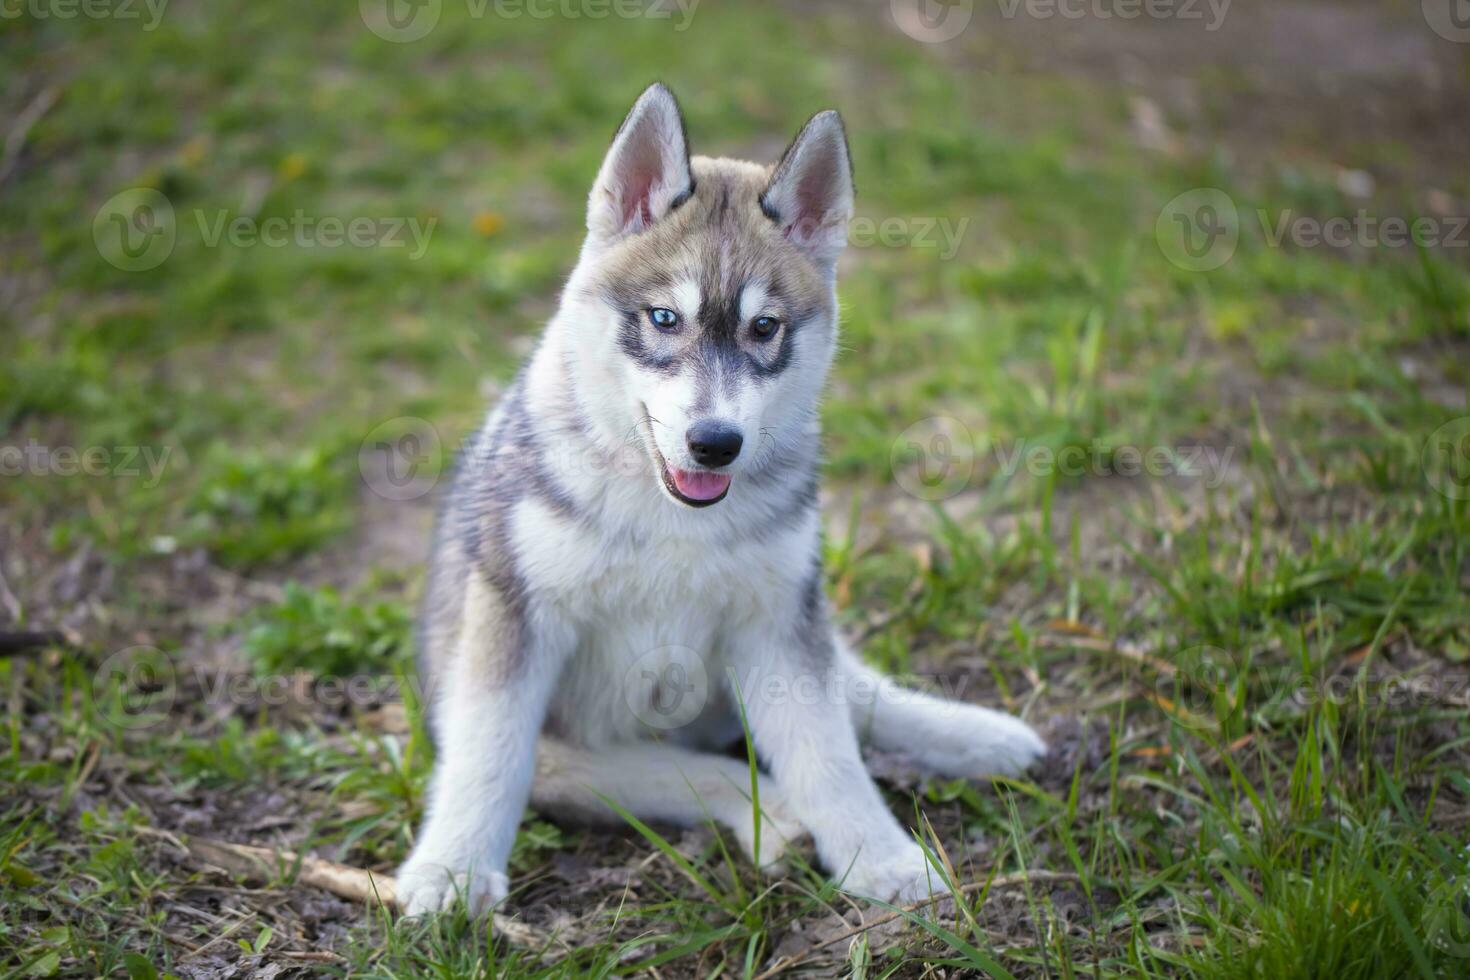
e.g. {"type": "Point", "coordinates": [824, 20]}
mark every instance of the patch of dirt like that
{"type": "Point", "coordinates": [1321, 83]}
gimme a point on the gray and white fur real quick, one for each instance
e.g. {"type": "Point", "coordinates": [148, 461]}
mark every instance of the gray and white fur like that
{"type": "Point", "coordinates": [632, 542]}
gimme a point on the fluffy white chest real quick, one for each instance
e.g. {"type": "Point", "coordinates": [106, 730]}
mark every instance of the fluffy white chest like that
{"type": "Point", "coordinates": [650, 611]}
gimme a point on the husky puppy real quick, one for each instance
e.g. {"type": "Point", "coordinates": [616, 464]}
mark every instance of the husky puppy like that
{"type": "Point", "coordinates": [629, 558]}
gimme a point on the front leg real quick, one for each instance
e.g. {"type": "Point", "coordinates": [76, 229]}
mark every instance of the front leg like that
{"type": "Point", "coordinates": [785, 665]}
{"type": "Point", "coordinates": [490, 698]}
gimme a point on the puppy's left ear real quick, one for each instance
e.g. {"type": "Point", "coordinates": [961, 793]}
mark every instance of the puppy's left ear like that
{"type": "Point", "coordinates": [646, 172]}
{"type": "Point", "coordinates": [810, 192]}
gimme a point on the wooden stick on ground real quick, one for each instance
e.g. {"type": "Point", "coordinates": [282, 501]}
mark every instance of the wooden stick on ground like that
{"type": "Point", "coordinates": [14, 642]}
{"type": "Point", "coordinates": [267, 864]}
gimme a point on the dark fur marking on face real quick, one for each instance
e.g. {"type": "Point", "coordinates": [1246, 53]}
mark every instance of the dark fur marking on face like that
{"type": "Point", "coordinates": [719, 314]}
{"type": "Point", "coordinates": [716, 365]}
{"type": "Point", "coordinates": [722, 242]}
{"type": "Point", "coordinates": [725, 335]}
{"type": "Point", "coordinates": [783, 354]}
{"type": "Point", "coordinates": [631, 343]}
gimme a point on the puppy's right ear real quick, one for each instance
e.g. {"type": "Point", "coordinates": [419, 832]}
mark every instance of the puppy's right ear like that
{"type": "Point", "coordinates": [646, 172]}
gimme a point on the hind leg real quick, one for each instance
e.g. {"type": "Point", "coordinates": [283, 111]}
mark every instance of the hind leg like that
{"type": "Point", "coordinates": [664, 783]}
{"type": "Point", "coordinates": [949, 738]}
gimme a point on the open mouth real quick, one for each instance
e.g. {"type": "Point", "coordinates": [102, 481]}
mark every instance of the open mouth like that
{"type": "Point", "coordinates": [694, 488]}
{"type": "Point", "coordinates": [697, 488]}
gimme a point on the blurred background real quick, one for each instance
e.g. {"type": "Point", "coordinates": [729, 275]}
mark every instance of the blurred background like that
{"type": "Point", "coordinates": [1152, 397]}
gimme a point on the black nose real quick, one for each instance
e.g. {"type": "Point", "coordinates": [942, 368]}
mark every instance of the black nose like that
{"type": "Point", "coordinates": [713, 443]}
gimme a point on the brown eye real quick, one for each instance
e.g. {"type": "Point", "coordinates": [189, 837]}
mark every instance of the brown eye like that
{"type": "Point", "coordinates": [764, 327]}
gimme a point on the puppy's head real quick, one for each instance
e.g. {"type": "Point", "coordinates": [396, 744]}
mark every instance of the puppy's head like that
{"type": "Point", "coordinates": [705, 294]}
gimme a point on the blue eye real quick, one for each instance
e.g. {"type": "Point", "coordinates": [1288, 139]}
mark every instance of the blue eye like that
{"type": "Point", "coordinates": [764, 327]}
{"type": "Point", "coordinates": [665, 320]}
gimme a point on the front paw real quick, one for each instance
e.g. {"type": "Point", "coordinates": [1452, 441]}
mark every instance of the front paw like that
{"type": "Point", "coordinates": [779, 830]}
{"type": "Point", "coordinates": [429, 884]}
{"type": "Point", "coordinates": [903, 875]}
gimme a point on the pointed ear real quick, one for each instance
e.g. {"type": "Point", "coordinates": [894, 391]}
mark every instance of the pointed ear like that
{"type": "Point", "coordinates": [646, 172]}
{"type": "Point", "coordinates": [810, 193]}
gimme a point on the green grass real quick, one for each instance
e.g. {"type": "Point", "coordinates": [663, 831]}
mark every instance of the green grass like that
{"type": "Point", "coordinates": [1255, 677]}
{"type": "Point", "coordinates": [320, 632]}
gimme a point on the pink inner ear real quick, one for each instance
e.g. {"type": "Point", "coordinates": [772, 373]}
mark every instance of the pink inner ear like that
{"type": "Point", "coordinates": [812, 196]}
{"type": "Point", "coordinates": [637, 201]}
{"type": "Point", "coordinates": [813, 191]}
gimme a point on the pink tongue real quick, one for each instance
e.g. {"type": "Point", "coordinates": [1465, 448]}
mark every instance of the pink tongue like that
{"type": "Point", "coordinates": [699, 484]}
